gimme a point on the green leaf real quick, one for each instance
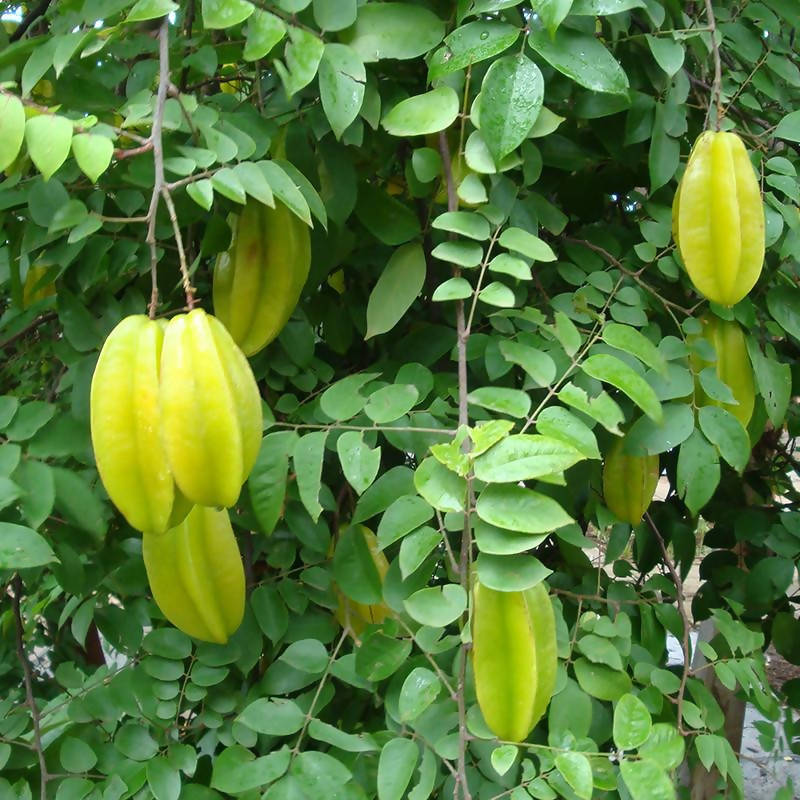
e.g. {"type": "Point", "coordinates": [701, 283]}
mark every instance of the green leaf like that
{"type": "Point", "coordinates": [427, 164]}
{"type": "Point", "coordinates": [497, 294]}
{"type": "Point", "coordinates": [35, 479]}
{"type": "Point", "coordinates": [600, 651]}
{"type": "Point", "coordinates": [76, 756]}
{"type": "Point", "coordinates": [286, 190]}
{"type": "Point", "coordinates": [225, 13]}
{"type": "Point", "coordinates": [396, 766]}
{"type": "Point", "coordinates": [267, 481]}
{"type": "Point", "coordinates": [527, 244]}
{"type": "Point", "coordinates": [306, 655]}
{"type": "Point", "coordinates": [612, 370]}
{"type": "Point", "coordinates": [12, 128]}
{"type": "Point", "coordinates": [503, 758]}
{"type": "Point", "coordinates": [464, 223]}
{"type": "Point", "coordinates": [571, 709]}
{"type": "Point", "coordinates": [518, 509]}
{"type": "Point", "coordinates": [397, 288]}
{"type": "Point", "coordinates": [724, 431]}
{"type": "Point", "coordinates": [303, 55]}
{"type": "Point", "coordinates": [388, 219]}
{"type": "Point", "coordinates": [163, 779]}
{"type": "Point", "coordinates": [151, 9]}
{"type": "Point", "coordinates": [354, 568]}
{"type": "Point", "coordinates": [270, 611]}
{"type": "Point", "coordinates": [581, 58]}
{"type": "Point", "coordinates": [134, 741]}
{"type": "Point", "coordinates": [789, 127]}
{"type": "Point", "coordinates": [236, 769]}
{"type": "Point", "coordinates": [665, 746]}
{"type": "Point", "coordinates": [360, 463]}
{"type": "Point", "coordinates": [307, 456]}
{"type": "Point", "coordinates": [393, 30]}
{"type": "Point", "coordinates": [577, 772]}
{"type": "Point", "coordinates": [668, 53]}
{"type": "Point", "coordinates": [601, 681]}
{"type": "Point", "coordinates": [463, 254]}
{"type": "Point", "coordinates": [72, 213]}
{"type": "Point", "coordinates": [566, 333]}
{"type": "Point", "coordinates": [558, 423]}
{"type": "Point", "coordinates": [648, 437]}
{"type": "Point", "coordinates": [351, 743]}
{"type": "Point", "coordinates": [632, 722]}
{"type": "Point", "coordinates": [774, 381]}
{"type": "Point", "coordinates": [506, 573]}
{"type": "Point", "coordinates": [645, 780]}
{"type": "Point", "coordinates": [596, 8]}
{"type": "Point", "coordinates": [168, 643]}
{"type": "Point", "coordinates": [553, 12]}
{"type": "Point", "coordinates": [319, 774]}
{"type": "Point", "coordinates": [391, 402]}
{"type": "Point", "coordinates": [274, 717]}
{"type": "Point", "coordinates": [227, 183]}
{"type": "Point", "coordinates": [76, 501]}
{"type": "Point", "coordinates": [381, 656]}
{"type": "Point", "coordinates": [264, 31]}
{"type": "Point", "coordinates": [342, 400]}
{"type": "Point", "coordinates": [522, 457]}
{"type": "Point", "coordinates": [403, 516]}
{"type": "Point", "coordinates": [452, 289]}
{"type": "Point", "coordinates": [252, 179]}
{"type": "Point", "coordinates": [30, 418]}
{"type": "Point", "coordinates": [513, 402]}
{"type": "Point", "coordinates": [538, 364]}
{"type": "Point", "coordinates": [202, 192]}
{"type": "Point", "coordinates": [628, 339]}
{"type": "Point", "coordinates": [602, 408]}
{"type": "Point", "coordinates": [420, 688]}
{"type": "Point", "coordinates": [664, 155]}
{"type": "Point", "coordinates": [342, 80]}
{"type": "Point", "coordinates": [423, 114]}
{"type": "Point", "coordinates": [333, 15]}
{"type": "Point", "coordinates": [511, 98]}
{"type": "Point", "coordinates": [416, 547]}
{"type": "Point", "coordinates": [443, 489]}
{"type": "Point", "coordinates": [784, 306]}
{"type": "Point", "coordinates": [437, 606]}
{"type": "Point", "coordinates": [469, 44]}
{"type": "Point", "coordinates": [49, 138]}
{"type": "Point", "coordinates": [715, 388]}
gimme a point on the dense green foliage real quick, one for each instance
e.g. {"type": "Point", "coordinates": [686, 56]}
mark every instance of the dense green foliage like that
{"type": "Point", "coordinates": [450, 380]}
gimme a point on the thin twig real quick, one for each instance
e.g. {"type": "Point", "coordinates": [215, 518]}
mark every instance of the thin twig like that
{"type": "Point", "coordinates": [51, 315]}
{"type": "Point", "coordinates": [29, 698]}
{"type": "Point", "coordinates": [121, 152]}
{"type": "Point", "coordinates": [320, 686]}
{"type": "Point", "coordinates": [716, 86]}
{"type": "Point", "coordinates": [188, 289]}
{"type": "Point", "coordinates": [687, 625]}
{"type": "Point", "coordinates": [29, 19]}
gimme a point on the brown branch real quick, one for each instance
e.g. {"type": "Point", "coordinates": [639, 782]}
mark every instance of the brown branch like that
{"type": "Point", "coordinates": [158, 159]}
{"type": "Point", "coordinates": [28, 678]}
{"type": "Point", "coordinates": [51, 315]}
{"type": "Point", "coordinates": [466, 535]}
{"type": "Point", "coordinates": [716, 86]}
{"type": "Point", "coordinates": [687, 625]}
{"type": "Point", "coordinates": [31, 17]}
